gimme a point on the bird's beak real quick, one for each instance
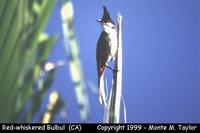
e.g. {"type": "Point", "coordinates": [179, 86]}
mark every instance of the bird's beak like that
{"type": "Point", "coordinates": [99, 20]}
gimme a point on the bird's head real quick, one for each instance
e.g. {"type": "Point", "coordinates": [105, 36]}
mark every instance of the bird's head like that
{"type": "Point", "coordinates": [106, 21]}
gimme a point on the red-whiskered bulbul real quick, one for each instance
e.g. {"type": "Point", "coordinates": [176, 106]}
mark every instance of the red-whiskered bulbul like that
{"type": "Point", "coordinates": [106, 50]}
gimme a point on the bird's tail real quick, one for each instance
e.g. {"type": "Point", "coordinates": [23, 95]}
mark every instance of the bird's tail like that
{"type": "Point", "coordinates": [102, 98]}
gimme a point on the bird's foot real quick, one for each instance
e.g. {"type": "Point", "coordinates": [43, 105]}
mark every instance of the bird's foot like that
{"type": "Point", "coordinates": [114, 70]}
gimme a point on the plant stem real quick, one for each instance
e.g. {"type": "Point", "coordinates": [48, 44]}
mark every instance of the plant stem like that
{"type": "Point", "coordinates": [116, 92]}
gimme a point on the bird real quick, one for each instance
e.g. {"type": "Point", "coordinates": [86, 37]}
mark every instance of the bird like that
{"type": "Point", "coordinates": [105, 50]}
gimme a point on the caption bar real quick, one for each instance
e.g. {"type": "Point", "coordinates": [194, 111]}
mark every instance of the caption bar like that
{"type": "Point", "coordinates": [103, 128]}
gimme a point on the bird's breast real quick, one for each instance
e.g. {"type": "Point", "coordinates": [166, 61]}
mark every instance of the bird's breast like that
{"type": "Point", "coordinates": [113, 43]}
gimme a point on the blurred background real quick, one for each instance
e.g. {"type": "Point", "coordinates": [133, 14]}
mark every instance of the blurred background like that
{"type": "Point", "coordinates": [48, 60]}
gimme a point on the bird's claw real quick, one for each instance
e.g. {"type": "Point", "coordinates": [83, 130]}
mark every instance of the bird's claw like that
{"type": "Point", "coordinates": [114, 70]}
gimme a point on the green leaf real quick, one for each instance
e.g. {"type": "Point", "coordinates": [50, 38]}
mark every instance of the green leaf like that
{"type": "Point", "coordinates": [22, 54]}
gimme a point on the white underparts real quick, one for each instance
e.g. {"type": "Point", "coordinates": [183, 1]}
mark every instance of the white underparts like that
{"type": "Point", "coordinates": [110, 29]}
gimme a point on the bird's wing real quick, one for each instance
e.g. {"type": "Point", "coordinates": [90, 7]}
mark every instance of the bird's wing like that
{"type": "Point", "coordinates": [102, 51]}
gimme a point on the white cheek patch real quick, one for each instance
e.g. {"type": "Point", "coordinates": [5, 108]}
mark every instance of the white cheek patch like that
{"type": "Point", "coordinates": [110, 25]}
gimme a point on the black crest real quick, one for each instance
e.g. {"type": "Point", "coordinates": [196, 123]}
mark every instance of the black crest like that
{"type": "Point", "coordinates": [106, 16]}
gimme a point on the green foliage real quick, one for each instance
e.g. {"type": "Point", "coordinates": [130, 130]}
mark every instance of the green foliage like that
{"type": "Point", "coordinates": [75, 67]}
{"type": "Point", "coordinates": [24, 49]}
